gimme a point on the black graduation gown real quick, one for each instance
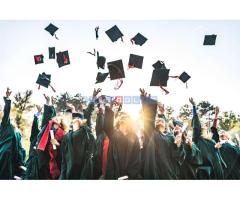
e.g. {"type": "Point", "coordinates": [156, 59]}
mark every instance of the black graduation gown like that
{"type": "Point", "coordinates": [163, 157]}
{"type": "Point", "coordinates": [88, 113]}
{"type": "Point", "coordinates": [231, 155]}
{"type": "Point", "coordinates": [192, 161]}
{"type": "Point", "coordinates": [77, 150]}
{"type": "Point", "coordinates": [43, 156]}
{"type": "Point", "coordinates": [160, 156]}
{"type": "Point", "coordinates": [213, 163]}
{"type": "Point", "coordinates": [12, 155]}
{"type": "Point", "coordinates": [32, 162]}
{"type": "Point", "coordinates": [123, 153]}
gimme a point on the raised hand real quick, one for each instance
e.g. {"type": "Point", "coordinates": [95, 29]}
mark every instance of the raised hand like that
{"type": "Point", "coordinates": [8, 93]}
{"type": "Point", "coordinates": [178, 139]}
{"type": "Point", "coordinates": [47, 99]}
{"type": "Point", "coordinates": [54, 100]}
{"type": "Point", "coordinates": [218, 145]}
{"type": "Point", "coordinates": [39, 108]}
{"type": "Point", "coordinates": [161, 108]}
{"type": "Point", "coordinates": [192, 101]}
{"type": "Point", "coordinates": [96, 92]}
{"type": "Point", "coordinates": [143, 92]}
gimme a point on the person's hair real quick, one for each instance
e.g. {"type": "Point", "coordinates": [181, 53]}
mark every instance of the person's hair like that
{"type": "Point", "coordinates": [81, 122]}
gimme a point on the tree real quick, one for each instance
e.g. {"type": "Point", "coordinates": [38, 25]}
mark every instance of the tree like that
{"type": "Point", "coordinates": [227, 120]}
{"type": "Point", "coordinates": [185, 112]}
{"type": "Point", "coordinates": [204, 108]}
{"type": "Point", "coordinates": [169, 111]}
{"type": "Point", "coordinates": [76, 100]}
{"type": "Point", "coordinates": [22, 103]}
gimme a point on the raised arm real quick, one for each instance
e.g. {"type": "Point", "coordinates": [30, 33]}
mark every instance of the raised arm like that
{"type": "Point", "coordinates": [7, 108]}
{"type": "Point", "coordinates": [99, 122]}
{"type": "Point", "coordinates": [214, 130]}
{"type": "Point", "coordinates": [149, 107]}
{"type": "Point", "coordinates": [108, 124]}
{"type": "Point", "coordinates": [48, 111]}
{"type": "Point", "coordinates": [195, 122]}
{"type": "Point", "coordinates": [90, 108]}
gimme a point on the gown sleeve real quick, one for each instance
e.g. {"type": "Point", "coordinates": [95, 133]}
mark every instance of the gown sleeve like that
{"type": "Point", "coordinates": [6, 113]}
{"type": "Point", "coordinates": [108, 122]}
{"type": "Point", "coordinates": [196, 125]}
{"type": "Point", "coordinates": [88, 113]}
{"type": "Point", "coordinates": [214, 131]}
{"type": "Point", "coordinates": [48, 113]}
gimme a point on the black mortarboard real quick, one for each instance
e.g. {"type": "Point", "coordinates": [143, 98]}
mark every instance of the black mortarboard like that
{"type": "Point", "coordinates": [38, 59]}
{"type": "Point", "coordinates": [116, 69]}
{"type": "Point", "coordinates": [44, 79]}
{"type": "Point", "coordinates": [177, 122]}
{"type": "Point", "coordinates": [114, 33]}
{"type": "Point", "coordinates": [160, 77]}
{"type": "Point", "coordinates": [51, 51]}
{"type": "Point", "coordinates": [135, 61]}
{"type": "Point", "coordinates": [101, 77]}
{"type": "Point", "coordinates": [139, 39]}
{"type": "Point", "coordinates": [184, 77]}
{"type": "Point", "coordinates": [159, 65]}
{"type": "Point", "coordinates": [101, 60]}
{"type": "Point", "coordinates": [51, 29]}
{"type": "Point", "coordinates": [63, 59]}
{"type": "Point", "coordinates": [209, 39]}
{"type": "Point", "coordinates": [77, 115]}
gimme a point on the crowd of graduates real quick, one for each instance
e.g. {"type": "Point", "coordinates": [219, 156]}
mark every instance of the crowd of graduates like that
{"type": "Point", "coordinates": [65, 145]}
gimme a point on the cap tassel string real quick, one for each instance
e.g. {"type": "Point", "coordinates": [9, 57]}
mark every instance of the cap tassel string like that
{"type": "Point", "coordinates": [166, 92]}
{"type": "Point", "coordinates": [96, 31]}
{"type": "Point", "coordinates": [56, 37]}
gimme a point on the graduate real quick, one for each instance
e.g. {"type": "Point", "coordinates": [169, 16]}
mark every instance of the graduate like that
{"type": "Point", "coordinates": [230, 152]}
{"type": "Point", "coordinates": [213, 164]}
{"type": "Point", "coordinates": [32, 162]}
{"type": "Point", "coordinates": [163, 151]}
{"type": "Point", "coordinates": [12, 154]}
{"type": "Point", "coordinates": [122, 150]}
{"type": "Point", "coordinates": [78, 147]}
{"type": "Point", "coordinates": [193, 157]}
{"type": "Point", "coordinates": [49, 140]}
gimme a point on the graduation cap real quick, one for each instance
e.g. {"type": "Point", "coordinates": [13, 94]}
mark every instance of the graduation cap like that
{"type": "Point", "coordinates": [135, 61]}
{"type": "Point", "coordinates": [116, 71]}
{"type": "Point", "coordinates": [139, 39]}
{"type": "Point", "coordinates": [114, 34]}
{"type": "Point", "coordinates": [160, 78]}
{"type": "Point", "coordinates": [63, 58]}
{"type": "Point", "coordinates": [210, 39]}
{"type": "Point", "coordinates": [38, 59]}
{"type": "Point", "coordinates": [52, 29]}
{"type": "Point", "coordinates": [51, 51]}
{"type": "Point", "coordinates": [101, 77]}
{"type": "Point", "coordinates": [159, 65]}
{"type": "Point", "coordinates": [184, 77]}
{"type": "Point", "coordinates": [177, 122]}
{"type": "Point", "coordinates": [101, 60]}
{"type": "Point", "coordinates": [77, 115]}
{"type": "Point", "coordinates": [44, 80]}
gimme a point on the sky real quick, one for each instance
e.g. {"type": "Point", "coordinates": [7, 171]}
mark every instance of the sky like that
{"type": "Point", "coordinates": [214, 70]}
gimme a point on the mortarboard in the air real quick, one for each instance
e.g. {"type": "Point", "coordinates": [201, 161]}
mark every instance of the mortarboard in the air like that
{"type": "Point", "coordinates": [159, 65]}
{"type": "Point", "coordinates": [52, 29]}
{"type": "Point", "coordinates": [135, 61]}
{"type": "Point", "coordinates": [114, 34]}
{"type": "Point", "coordinates": [101, 60]}
{"type": "Point", "coordinates": [44, 80]}
{"type": "Point", "coordinates": [51, 51]}
{"type": "Point", "coordinates": [101, 77]}
{"type": "Point", "coordinates": [184, 77]}
{"type": "Point", "coordinates": [160, 78]}
{"type": "Point", "coordinates": [116, 71]}
{"type": "Point", "coordinates": [63, 58]}
{"type": "Point", "coordinates": [210, 39]}
{"type": "Point", "coordinates": [38, 59]}
{"type": "Point", "coordinates": [139, 39]}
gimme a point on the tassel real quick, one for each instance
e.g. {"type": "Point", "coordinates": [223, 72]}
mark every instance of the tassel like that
{"type": "Point", "coordinates": [52, 88]}
{"type": "Point", "coordinates": [131, 66]}
{"type": "Point", "coordinates": [56, 37]}
{"type": "Point", "coordinates": [39, 87]}
{"type": "Point", "coordinates": [132, 41]}
{"type": "Point", "coordinates": [117, 86]}
{"type": "Point", "coordinates": [122, 39]}
{"type": "Point", "coordinates": [96, 31]}
{"type": "Point", "coordinates": [92, 53]}
{"type": "Point", "coordinates": [166, 92]}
